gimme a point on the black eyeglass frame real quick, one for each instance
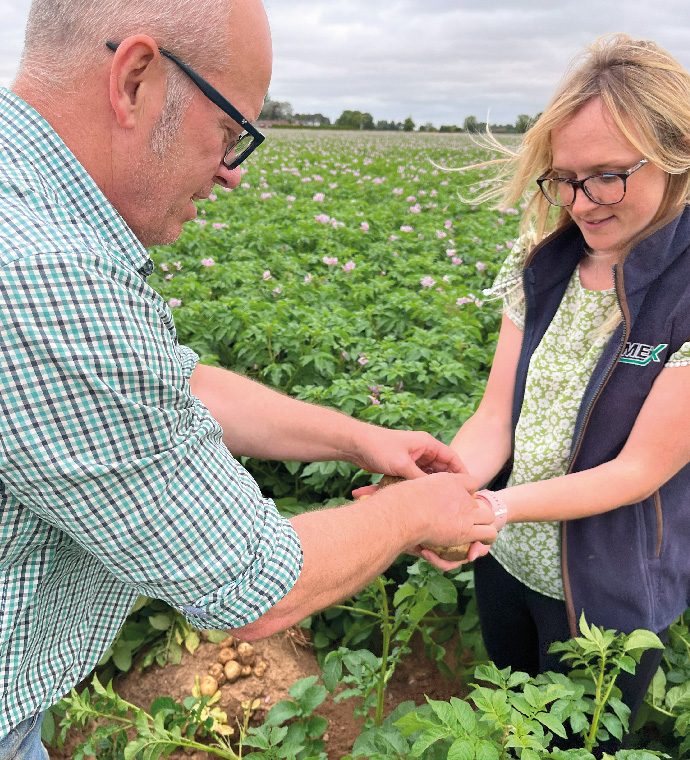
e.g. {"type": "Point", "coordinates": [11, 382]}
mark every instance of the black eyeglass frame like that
{"type": "Point", "coordinates": [225, 105]}
{"type": "Point", "coordinates": [579, 184]}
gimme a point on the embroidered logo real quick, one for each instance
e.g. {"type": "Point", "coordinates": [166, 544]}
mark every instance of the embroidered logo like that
{"type": "Point", "coordinates": [640, 354]}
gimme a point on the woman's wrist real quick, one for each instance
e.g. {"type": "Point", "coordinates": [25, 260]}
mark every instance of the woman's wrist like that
{"type": "Point", "coordinates": [499, 507]}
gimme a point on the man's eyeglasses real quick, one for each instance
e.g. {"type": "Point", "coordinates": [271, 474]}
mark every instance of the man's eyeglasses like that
{"type": "Point", "coordinates": [606, 188]}
{"type": "Point", "coordinates": [245, 144]}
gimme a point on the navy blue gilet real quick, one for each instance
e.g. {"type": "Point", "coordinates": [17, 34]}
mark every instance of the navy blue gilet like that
{"type": "Point", "coordinates": [630, 567]}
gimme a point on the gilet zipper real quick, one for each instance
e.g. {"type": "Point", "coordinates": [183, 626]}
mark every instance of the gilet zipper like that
{"type": "Point", "coordinates": [623, 306]}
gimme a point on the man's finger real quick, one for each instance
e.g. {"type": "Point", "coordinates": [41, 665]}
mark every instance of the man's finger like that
{"type": "Point", "coordinates": [364, 491]}
{"type": "Point", "coordinates": [442, 564]}
{"type": "Point", "coordinates": [486, 534]}
{"type": "Point", "coordinates": [478, 549]}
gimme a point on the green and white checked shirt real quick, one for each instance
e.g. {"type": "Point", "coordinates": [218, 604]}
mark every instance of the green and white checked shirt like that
{"type": "Point", "coordinates": [114, 479]}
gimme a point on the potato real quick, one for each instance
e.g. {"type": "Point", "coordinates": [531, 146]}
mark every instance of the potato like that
{"type": "Point", "coordinates": [245, 653]}
{"type": "Point", "coordinates": [246, 671]}
{"type": "Point", "coordinates": [208, 686]}
{"type": "Point", "coordinates": [226, 654]}
{"type": "Point", "coordinates": [232, 670]}
{"type": "Point", "coordinates": [216, 670]}
{"type": "Point", "coordinates": [260, 668]}
{"type": "Point", "coordinates": [451, 553]}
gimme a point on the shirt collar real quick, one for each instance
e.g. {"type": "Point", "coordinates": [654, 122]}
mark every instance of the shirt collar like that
{"type": "Point", "coordinates": [24, 131]}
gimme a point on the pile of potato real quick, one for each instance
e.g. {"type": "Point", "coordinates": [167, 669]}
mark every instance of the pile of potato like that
{"type": "Point", "coordinates": [236, 659]}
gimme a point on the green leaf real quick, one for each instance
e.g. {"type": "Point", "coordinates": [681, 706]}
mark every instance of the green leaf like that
{"type": "Point", "coordinates": [463, 714]}
{"type": "Point", "coordinates": [613, 725]}
{"type": "Point", "coordinates": [97, 686]}
{"type": "Point", "coordinates": [443, 589]}
{"type": "Point", "coordinates": [122, 657]}
{"type": "Point", "coordinates": [160, 622]}
{"type": "Point", "coordinates": [312, 698]}
{"type": "Point", "coordinates": [162, 704]}
{"type": "Point", "coordinates": [486, 750]}
{"type": "Point", "coordinates": [48, 727]}
{"type": "Point", "coordinates": [627, 664]}
{"type": "Point", "coordinates": [461, 749]}
{"type": "Point", "coordinates": [192, 641]}
{"type": "Point", "coordinates": [413, 722]}
{"type": "Point", "coordinates": [517, 679]}
{"type": "Point", "coordinates": [443, 711]}
{"type": "Point", "coordinates": [584, 628]}
{"type": "Point", "coordinates": [620, 709]}
{"type": "Point", "coordinates": [316, 726]}
{"type": "Point", "coordinates": [427, 738]}
{"type": "Point", "coordinates": [642, 639]}
{"type": "Point", "coordinates": [281, 712]}
{"type": "Point", "coordinates": [678, 697]}
{"type": "Point", "coordinates": [552, 723]}
{"type": "Point", "coordinates": [490, 673]}
{"type": "Point", "coordinates": [216, 637]}
{"type": "Point", "coordinates": [658, 687]}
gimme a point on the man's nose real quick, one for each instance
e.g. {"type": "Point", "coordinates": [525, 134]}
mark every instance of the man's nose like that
{"type": "Point", "coordinates": [229, 178]}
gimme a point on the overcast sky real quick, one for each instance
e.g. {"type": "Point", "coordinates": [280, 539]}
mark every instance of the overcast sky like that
{"type": "Point", "coordinates": [434, 60]}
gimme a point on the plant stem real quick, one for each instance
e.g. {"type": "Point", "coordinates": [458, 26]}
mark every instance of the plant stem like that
{"type": "Point", "coordinates": [358, 610]}
{"type": "Point", "coordinates": [386, 633]}
{"type": "Point", "coordinates": [599, 706]}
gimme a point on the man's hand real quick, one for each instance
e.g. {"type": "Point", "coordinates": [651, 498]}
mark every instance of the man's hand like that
{"type": "Point", "coordinates": [408, 454]}
{"type": "Point", "coordinates": [477, 548]}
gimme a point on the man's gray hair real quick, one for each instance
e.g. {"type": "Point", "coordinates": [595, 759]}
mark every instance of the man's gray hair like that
{"type": "Point", "coordinates": [65, 39]}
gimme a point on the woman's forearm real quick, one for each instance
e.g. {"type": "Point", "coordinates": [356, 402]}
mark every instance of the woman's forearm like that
{"type": "Point", "coordinates": [580, 494]}
{"type": "Point", "coordinates": [484, 445]}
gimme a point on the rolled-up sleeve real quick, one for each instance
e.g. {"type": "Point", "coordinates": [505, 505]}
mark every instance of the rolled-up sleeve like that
{"type": "Point", "coordinates": [101, 436]}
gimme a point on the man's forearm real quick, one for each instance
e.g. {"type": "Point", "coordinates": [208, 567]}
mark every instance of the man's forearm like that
{"type": "Point", "coordinates": [346, 547]}
{"type": "Point", "coordinates": [260, 422]}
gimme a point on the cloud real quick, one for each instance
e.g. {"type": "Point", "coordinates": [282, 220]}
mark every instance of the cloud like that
{"type": "Point", "coordinates": [442, 60]}
{"type": "Point", "coordinates": [438, 60]}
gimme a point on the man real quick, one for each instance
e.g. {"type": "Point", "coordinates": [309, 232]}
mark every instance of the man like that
{"type": "Point", "coordinates": [116, 477]}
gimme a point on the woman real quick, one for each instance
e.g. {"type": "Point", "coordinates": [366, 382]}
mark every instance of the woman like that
{"type": "Point", "coordinates": [584, 428]}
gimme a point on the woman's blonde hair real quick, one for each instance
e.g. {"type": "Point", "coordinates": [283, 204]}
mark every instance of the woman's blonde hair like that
{"type": "Point", "coordinates": [647, 93]}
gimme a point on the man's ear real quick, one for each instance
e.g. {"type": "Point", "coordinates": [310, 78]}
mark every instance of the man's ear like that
{"type": "Point", "coordinates": [137, 77]}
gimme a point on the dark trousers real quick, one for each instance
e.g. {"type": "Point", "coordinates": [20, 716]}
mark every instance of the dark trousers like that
{"type": "Point", "coordinates": [519, 625]}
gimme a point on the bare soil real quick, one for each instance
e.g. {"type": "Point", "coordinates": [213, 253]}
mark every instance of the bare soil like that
{"type": "Point", "coordinates": [288, 658]}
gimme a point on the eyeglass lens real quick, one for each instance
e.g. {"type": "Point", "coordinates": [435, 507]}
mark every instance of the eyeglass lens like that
{"type": "Point", "coordinates": [235, 152]}
{"type": "Point", "coordinates": [605, 189]}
